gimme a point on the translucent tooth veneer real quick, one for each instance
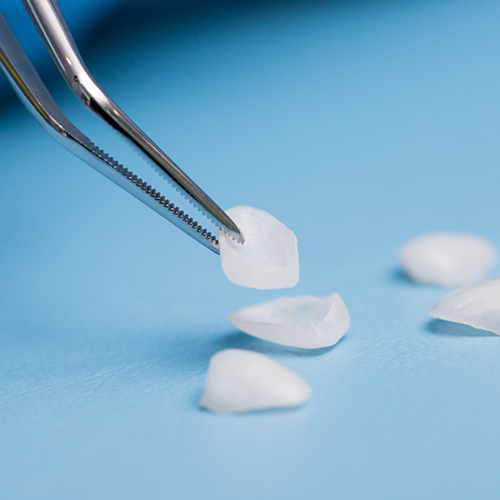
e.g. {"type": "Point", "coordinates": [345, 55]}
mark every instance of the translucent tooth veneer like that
{"type": "Point", "coordinates": [269, 257]}
{"type": "Point", "coordinates": [447, 259]}
{"type": "Point", "coordinates": [306, 321]}
{"type": "Point", "coordinates": [476, 305]}
{"type": "Point", "coordinates": [240, 381]}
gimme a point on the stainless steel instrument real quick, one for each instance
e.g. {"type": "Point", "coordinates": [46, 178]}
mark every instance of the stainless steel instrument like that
{"type": "Point", "coordinates": [30, 89]}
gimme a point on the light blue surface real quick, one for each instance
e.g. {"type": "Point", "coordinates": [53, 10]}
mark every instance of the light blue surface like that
{"type": "Point", "coordinates": [359, 125]}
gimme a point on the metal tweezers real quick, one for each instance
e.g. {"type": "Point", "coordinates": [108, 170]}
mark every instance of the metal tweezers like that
{"type": "Point", "coordinates": [30, 89]}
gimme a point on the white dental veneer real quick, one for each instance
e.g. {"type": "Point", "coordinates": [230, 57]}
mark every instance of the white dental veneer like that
{"type": "Point", "coordinates": [447, 258]}
{"type": "Point", "coordinates": [269, 257]}
{"type": "Point", "coordinates": [306, 321]}
{"type": "Point", "coordinates": [476, 305]}
{"type": "Point", "coordinates": [239, 381]}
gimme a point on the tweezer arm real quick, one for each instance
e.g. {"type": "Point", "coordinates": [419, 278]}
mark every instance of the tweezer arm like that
{"type": "Point", "coordinates": [50, 23]}
{"type": "Point", "coordinates": [35, 96]}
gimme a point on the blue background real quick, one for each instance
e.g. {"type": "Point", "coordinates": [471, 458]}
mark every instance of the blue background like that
{"type": "Point", "coordinates": [359, 125]}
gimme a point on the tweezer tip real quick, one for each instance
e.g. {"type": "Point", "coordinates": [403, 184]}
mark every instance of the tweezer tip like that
{"type": "Point", "coordinates": [234, 235]}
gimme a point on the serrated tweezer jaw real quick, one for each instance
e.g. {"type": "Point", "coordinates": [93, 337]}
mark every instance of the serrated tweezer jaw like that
{"type": "Point", "coordinates": [34, 95]}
